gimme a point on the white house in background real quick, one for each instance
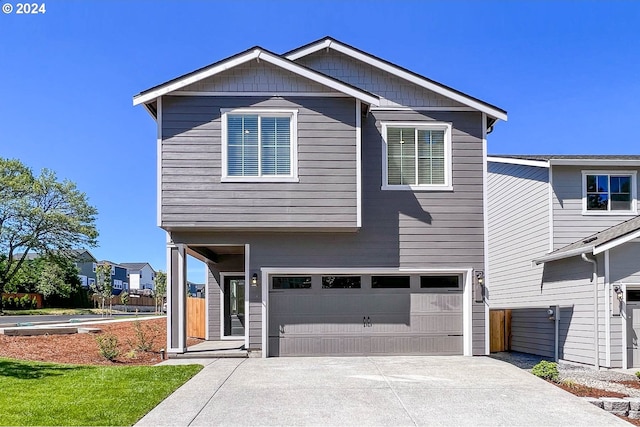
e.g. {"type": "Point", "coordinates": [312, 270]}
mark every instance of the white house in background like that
{"type": "Point", "coordinates": [141, 275]}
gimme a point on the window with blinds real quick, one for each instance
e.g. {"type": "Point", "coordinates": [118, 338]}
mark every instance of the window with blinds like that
{"type": "Point", "coordinates": [259, 144]}
{"type": "Point", "coordinates": [417, 156]}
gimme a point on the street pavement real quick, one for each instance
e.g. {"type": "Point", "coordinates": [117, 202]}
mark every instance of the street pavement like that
{"type": "Point", "coordinates": [370, 391]}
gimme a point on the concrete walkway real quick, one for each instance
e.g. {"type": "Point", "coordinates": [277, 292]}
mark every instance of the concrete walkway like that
{"type": "Point", "coordinates": [380, 391]}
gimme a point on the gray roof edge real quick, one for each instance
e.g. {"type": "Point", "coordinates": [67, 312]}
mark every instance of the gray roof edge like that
{"type": "Point", "coordinates": [556, 255]}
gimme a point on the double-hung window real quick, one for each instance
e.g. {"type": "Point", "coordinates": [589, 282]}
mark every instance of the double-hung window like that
{"type": "Point", "coordinates": [417, 156]}
{"type": "Point", "coordinates": [609, 192]}
{"type": "Point", "coordinates": [259, 145]}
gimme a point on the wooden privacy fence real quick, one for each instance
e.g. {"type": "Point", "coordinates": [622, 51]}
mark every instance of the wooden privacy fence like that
{"type": "Point", "coordinates": [196, 317]}
{"type": "Point", "coordinates": [499, 330]}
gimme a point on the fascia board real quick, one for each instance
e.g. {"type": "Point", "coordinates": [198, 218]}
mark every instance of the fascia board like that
{"type": "Point", "coordinates": [616, 242]}
{"type": "Point", "coordinates": [594, 162]}
{"type": "Point", "coordinates": [399, 73]}
{"type": "Point", "coordinates": [523, 162]}
{"type": "Point", "coordinates": [563, 255]}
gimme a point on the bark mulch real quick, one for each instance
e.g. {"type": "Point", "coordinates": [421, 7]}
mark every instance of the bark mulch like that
{"type": "Point", "coordinates": [82, 349]}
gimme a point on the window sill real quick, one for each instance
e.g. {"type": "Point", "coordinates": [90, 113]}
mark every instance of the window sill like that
{"type": "Point", "coordinates": [259, 179]}
{"type": "Point", "coordinates": [417, 188]}
{"type": "Point", "coordinates": [609, 213]}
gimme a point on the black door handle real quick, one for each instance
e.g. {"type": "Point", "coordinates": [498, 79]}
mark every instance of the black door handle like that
{"type": "Point", "coordinates": [364, 321]}
{"type": "Point", "coordinates": [369, 321]}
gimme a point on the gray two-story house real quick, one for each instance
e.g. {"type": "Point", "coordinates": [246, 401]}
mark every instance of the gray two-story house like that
{"type": "Point", "coordinates": [564, 255]}
{"type": "Point", "coordinates": [337, 199]}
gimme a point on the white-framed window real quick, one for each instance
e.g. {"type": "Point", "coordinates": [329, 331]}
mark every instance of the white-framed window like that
{"type": "Point", "coordinates": [113, 271]}
{"type": "Point", "coordinates": [95, 267]}
{"type": "Point", "coordinates": [92, 281]}
{"type": "Point", "coordinates": [117, 284]}
{"type": "Point", "coordinates": [416, 156]}
{"type": "Point", "coordinates": [83, 280]}
{"type": "Point", "coordinates": [609, 192]}
{"type": "Point", "coordinates": [259, 145]}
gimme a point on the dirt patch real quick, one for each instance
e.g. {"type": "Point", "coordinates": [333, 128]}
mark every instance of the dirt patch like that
{"type": "Point", "coordinates": [630, 384]}
{"type": "Point", "coordinates": [585, 391]}
{"type": "Point", "coordinates": [83, 349]}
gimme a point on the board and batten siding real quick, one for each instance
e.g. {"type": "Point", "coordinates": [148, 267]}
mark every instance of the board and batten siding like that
{"type": "Point", "coordinates": [392, 90]}
{"type": "Point", "coordinates": [400, 229]}
{"type": "Point", "coordinates": [194, 196]}
{"type": "Point", "coordinates": [518, 210]}
{"type": "Point", "coordinates": [569, 224]}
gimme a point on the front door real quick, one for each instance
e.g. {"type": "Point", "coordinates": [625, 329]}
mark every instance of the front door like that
{"type": "Point", "coordinates": [234, 306]}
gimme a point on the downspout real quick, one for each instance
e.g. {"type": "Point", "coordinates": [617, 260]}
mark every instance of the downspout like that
{"type": "Point", "coordinates": [594, 280]}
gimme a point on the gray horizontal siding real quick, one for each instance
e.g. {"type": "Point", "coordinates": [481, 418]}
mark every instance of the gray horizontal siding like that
{"type": "Point", "coordinates": [624, 263]}
{"type": "Point", "coordinates": [393, 90]}
{"type": "Point", "coordinates": [518, 212]}
{"type": "Point", "coordinates": [569, 225]}
{"type": "Point", "coordinates": [256, 76]}
{"type": "Point", "coordinates": [193, 196]}
{"type": "Point", "coordinates": [214, 308]}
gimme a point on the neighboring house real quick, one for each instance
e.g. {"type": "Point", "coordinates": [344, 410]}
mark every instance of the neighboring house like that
{"type": "Point", "coordinates": [336, 198]}
{"type": "Point", "coordinates": [196, 290]}
{"type": "Point", "coordinates": [86, 264]}
{"type": "Point", "coordinates": [119, 280]}
{"type": "Point", "coordinates": [563, 234]}
{"type": "Point", "coordinates": [140, 274]}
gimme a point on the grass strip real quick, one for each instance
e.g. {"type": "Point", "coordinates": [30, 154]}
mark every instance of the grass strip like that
{"type": "Point", "coordinates": [38, 394]}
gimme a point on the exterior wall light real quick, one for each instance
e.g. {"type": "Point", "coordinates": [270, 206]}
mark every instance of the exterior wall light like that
{"type": "Point", "coordinates": [618, 292]}
{"type": "Point", "coordinates": [254, 279]}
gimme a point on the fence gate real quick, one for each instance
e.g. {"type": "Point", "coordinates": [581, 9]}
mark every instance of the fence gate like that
{"type": "Point", "coordinates": [500, 330]}
{"type": "Point", "coordinates": [196, 318]}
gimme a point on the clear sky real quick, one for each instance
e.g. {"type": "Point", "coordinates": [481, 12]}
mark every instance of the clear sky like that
{"type": "Point", "coordinates": [568, 74]}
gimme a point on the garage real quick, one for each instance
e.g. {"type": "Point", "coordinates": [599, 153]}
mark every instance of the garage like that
{"type": "Point", "coordinates": [365, 314]}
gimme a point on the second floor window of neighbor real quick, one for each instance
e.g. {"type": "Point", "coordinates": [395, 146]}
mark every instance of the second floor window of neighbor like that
{"type": "Point", "coordinates": [259, 145]}
{"type": "Point", "coordinates": [417, 156]}
{"type": "Point", "coordinates": [609, 192]}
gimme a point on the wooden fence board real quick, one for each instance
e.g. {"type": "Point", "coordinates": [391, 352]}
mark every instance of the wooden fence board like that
{"type": "Point", "coordinates": [196, 318]}
{"type": "Point", "coordinates": [500, 330]}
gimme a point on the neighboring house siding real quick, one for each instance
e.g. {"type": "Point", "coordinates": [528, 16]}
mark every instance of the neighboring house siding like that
{"type": "Point", "coordinates": [134, 281]}
{"type": "Point", "coordinates": [257, 77]}
{"type": "Point", "coordinates": [624, 264]}
{"type": "Point", "coordinates": [400, 229]}
{"type": "Point", "coordinates": [569, 224]}
{"type": "Point", "coordinates": [193, 196]}
{"type": "Point", "coordinates": [393, 90]}
{"type": "Point", "coordinates": [518, 211]}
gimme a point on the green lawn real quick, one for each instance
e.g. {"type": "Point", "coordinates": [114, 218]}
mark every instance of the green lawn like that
{"type": "Point", "coordinates": [37, 393]}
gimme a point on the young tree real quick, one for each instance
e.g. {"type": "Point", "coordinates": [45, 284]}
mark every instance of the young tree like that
{"type": "Point", "coordinates": [160, 282]}
{"type": "Point", "coordinates": [39, 214]}
{"type": "Point", "coordinates": [124, 299]}
{"type": "Point", "coordinates": [103, 285]}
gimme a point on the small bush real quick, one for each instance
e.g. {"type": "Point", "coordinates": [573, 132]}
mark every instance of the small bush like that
{"type": "Point", "coordinates": [546, 370]}
{"type": "Point", "coordinates": [145, 336]}
{"type": "Point", "coordinates": [108, 346]}
{"type": "Point", "coordinates": [638, 374]}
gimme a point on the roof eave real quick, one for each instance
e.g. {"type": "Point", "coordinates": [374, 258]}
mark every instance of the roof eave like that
{"type": "Point", "coordinates": [330, 43]}
{"type": "Point", "coordinates": [555, 256]}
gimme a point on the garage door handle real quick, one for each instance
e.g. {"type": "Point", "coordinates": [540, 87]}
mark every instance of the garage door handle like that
{"type": "Point", "coordinates": [364, 321]}
{"type": "Point", "coordinates": [282, 329]}
{"type": "Point", "coordinates": [369, 321]}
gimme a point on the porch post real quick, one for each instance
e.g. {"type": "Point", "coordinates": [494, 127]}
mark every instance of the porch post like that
{"type": "Point", "coordinates": [176, 299]}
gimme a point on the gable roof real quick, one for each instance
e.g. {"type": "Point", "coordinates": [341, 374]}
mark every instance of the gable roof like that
{"type": "Point", "coordinates": [439, 88]}
{"type": "Point", "coordinates": [254, 53]}
{"type": "Point", "coordinates": [136, 265]}
{"type": "Point", "coordinates": [598, 242]}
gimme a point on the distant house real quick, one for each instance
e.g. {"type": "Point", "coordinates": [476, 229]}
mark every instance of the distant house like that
{"type": "Point", "coordinates": [196, 290]}
{"type": "Point", "coordinates": [118, 277]}
{"type": "Point", "coordinates": [141, 275]}
{"type": "Point", "coordinates": [564, 255]}
{"type": "Point", "coordinates": [87, 265]}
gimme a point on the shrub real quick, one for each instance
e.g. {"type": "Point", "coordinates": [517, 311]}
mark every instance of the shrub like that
{"type": "Point", "coordinates": [638, 374]}
{"type": "Point", "coordinates": [145, 336]}
{"type": "Point", "coordinates": [25, 302]}
{"type": "Point", "coordinates": [108, 346]}
{"type": "Point", "coordinates": [34, 303]}
{"type": "Point", "coordinates": [546, 370]}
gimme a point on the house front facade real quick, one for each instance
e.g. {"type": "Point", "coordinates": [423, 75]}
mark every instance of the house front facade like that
{"type": "Point", "coordinates": [119, 279]}
{"type": "Point", "coordinates": [564, 255]}
{"type": "Point", "coordinates": [337, 201]}
{"type": "Point", "coordinates": [141, 275]}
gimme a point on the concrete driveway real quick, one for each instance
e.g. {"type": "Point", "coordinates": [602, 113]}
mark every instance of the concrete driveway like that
{"type": "Point", "coordinates": [377, 391]}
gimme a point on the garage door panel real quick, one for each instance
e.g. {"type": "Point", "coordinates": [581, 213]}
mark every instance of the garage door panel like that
{"type": "Point", "coordinates": [436, 303]}
{"type": "Point", "coordinates": [433, 345]}
{"type": "Point", "coordinates": [328, 346]}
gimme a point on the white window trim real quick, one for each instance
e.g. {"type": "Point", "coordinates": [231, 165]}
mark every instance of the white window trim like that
{"type": "Point", "coordinates": [293, 176]}
{"type": "Point", "coordinates": [447, 186]}
{"type": "Point", "coordinates": [634, 186]}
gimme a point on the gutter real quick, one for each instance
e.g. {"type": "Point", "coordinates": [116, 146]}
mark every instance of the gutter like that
{"type": "Point", "coordinates": [561, 255]}
{"type": "Point", "coordinates": [594, 280]}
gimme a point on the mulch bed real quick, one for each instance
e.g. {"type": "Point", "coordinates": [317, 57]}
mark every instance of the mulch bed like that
{"type": "Point", "coordinates": [83, 349]}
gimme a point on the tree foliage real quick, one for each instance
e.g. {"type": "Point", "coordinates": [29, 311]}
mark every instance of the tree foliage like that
{"type": "Point", "coordinates": [103, 285]}
{"type": "Point", "coordinates": [160, 282]}
{"type": "Point", "coordinates": [39, 214]}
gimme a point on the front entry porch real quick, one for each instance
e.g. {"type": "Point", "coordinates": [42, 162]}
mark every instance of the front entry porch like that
{"type": "Point", "coordinates": [213, 349]}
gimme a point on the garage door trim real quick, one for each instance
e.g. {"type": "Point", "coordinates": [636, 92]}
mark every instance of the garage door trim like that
{"type": "Point", "coordinates": [467, 296]}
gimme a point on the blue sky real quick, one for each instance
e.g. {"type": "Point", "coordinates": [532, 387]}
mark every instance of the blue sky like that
{"type": "Point", "coordinates": [568, 73]}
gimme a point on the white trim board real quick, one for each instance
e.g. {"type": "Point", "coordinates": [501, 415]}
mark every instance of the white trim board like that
{"type": "Point", "coordinates": [257, 54]}
{"type": "Point", "coordinates": [485, 223]}
{"type": "Point", "coordinates": [398, 72]}
{"type": "Point", "coordinates": [522, 162]}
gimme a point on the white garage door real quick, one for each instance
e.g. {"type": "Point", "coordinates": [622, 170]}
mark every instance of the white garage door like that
{"type": "Point", "coordinates": [365, 315]}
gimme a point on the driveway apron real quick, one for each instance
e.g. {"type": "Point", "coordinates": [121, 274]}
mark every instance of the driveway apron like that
{"type": "Point", "coordinates": [377, 391]}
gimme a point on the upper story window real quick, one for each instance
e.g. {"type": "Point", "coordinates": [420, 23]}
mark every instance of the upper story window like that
{"type": "Point", "coordinates": [609, 193]}
{"type": "Point", "coordinates": [259, 145]}
{"type": "Point", "coordinates": [417, 156]}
